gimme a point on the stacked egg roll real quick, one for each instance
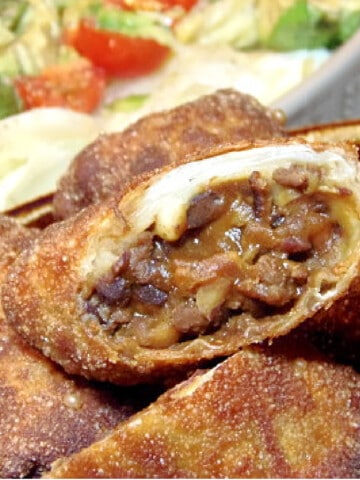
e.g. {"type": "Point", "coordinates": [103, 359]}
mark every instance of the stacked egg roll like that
{"type": "Point", "coordinates": [44, 413]}
{"type": "Point", "coordinates": [279, 412]}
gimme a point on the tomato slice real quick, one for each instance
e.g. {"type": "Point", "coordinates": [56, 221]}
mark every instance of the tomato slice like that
{"type": "Point", "coordinates": [118, 54]}
{"type": "Point", "coordinates": [79, 86]}
{"type": "Point", "coordinates": [186, 4]}
{"type": "Point", "coordinates": [153, 4]}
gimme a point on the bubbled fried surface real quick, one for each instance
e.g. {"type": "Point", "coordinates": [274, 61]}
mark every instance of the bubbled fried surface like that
{"type": "Point", "coordinates": [44, 413]}
{"type": "Point", "coordinates": [103, 168]}
{"type": "Point", "coordinates": [13, 239]}
{"type": "Point", "coordinates": [275, 412]}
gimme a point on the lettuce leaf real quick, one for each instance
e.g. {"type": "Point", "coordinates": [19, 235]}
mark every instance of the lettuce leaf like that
{"type": "Point", "coordinates": [303, 26]}
{"type": "Point", "coordinates": [349, 23]}
{"type": "Point", "coordinates": [132, 23]}
{"type": "Point", "coordinates": [127, 104]}
{"type": "Point", "coordinates": [9, 101]}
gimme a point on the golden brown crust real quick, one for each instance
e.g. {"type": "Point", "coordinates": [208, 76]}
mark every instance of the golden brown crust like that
{"type": "Point", "coordinates": [337, 330]}
{"type": "Point", "coordinates": [279, 412]}
{"type": "Point", "coordinates": [44, 413]}
{"type": "Point", "coordinates": [103, 168]}
{"type": "Point", "coordinates": [13, 239]}
{"type": "Point", "coordinates": [51, 313]}
{"type": "Point", "coordinates": [340, 131]}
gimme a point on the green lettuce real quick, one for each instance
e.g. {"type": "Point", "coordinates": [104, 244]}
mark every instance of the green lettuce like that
{"type": "Point", "coordinates": [349, 23]}
{"type": "Point", "coordinates": [133, 24]}
{"type": "Point", "coordinates": [304, 26]}
{"type": "Point", "coordinates": [9, 100]}
{"type": "Point", "coordinates": [127, 104]}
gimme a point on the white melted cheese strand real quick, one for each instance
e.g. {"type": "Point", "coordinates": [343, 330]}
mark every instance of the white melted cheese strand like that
{"type": "Point", "coordinates": [166, 200]}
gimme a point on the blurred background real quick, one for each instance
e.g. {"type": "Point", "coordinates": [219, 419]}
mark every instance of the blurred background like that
{"type": "Point", "coordinates": [121, 59]}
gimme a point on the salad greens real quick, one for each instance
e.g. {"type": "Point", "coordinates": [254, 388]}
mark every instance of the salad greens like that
{"type": "Point", "coordinates": [348, 25]}
{"type": "Point", "coordinates": [29, 36]}
{"type": "Point", "coordinates": [305, 26]}
{"type": "Point", "coordinates": [281, 25]}
{"type": "Point", "coordinates": [29, 41]}
{"type": "Point", "coordinates": [11, 15]}
{"type": "Point", "coordinates": [31, 30]}
{"type": "Point", "coordinates": [9, 101]}
{"type": "Point", "coordinates": [127, 104]}
{"type": "Point", "coordinates": [215, 22]}
{"type": "Point", "coordinates": [134, 24]}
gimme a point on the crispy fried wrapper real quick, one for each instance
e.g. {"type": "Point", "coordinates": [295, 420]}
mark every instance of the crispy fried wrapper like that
{"type": "Point", "coordinates": [105, 166]}
{"type": "Point", "coordinates": [279, 412]}
{"type": "Point", "coordinates": [44, 413]}
{"type": "Point", "coordinates": [337, 330]}
{"type": "Point", "coordinates": [193, 262]}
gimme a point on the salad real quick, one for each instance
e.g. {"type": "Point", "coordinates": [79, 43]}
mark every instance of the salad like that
{"type": "Point", "coordinates": [64, 53]}
{"type": "Point", "coordinates": [110, 62]}
{"type": "Point", "coordinates": [70, 53]}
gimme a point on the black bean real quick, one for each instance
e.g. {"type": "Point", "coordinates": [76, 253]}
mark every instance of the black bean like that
{"type": "Point", "coordinates": [150, 295]}
{"type": "Point", "coordinates": [204, 208]}
{"type": "Point", "coordinates": [116, 291]}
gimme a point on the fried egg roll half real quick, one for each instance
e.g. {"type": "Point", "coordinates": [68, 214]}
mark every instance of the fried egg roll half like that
{"type": "Point", "coordinates": [193, 262]}
{"type": "Point", "coordinates": [280, 412]}
{"type": "Point", "coordinates": [161, 138]}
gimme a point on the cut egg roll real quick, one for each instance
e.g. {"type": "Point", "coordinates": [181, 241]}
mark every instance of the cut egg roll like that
{"type": "Point", "coordinates": [193, 262]}
{"type": "Point", "coordinates": [279, 412]}
{"type": "Point", "coordinates": [106, 165]}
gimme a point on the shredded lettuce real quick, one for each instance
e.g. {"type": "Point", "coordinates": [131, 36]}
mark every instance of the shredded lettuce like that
{"type": "Point", "coordinates": [349, 23]}
{"type": "Point", "coordinates": [282, 25]}
{"type": "Point", "coordinates": [127, 104]}
{"type": "Point", "coordinates": [304, 25]}
{"type": "Point", "coordinates": [225, 22]}
{"type": "Point", "coordinates": [11, 14]}
{"type": "Point", "coordinates": [9, 101]}
{"type": "Point", "coordinates": [29, 36]}
{"type": "Point", "coordinates": [134, 24]}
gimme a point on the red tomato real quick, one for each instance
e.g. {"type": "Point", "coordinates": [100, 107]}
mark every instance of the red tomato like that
{"type": "Point", "coordinates": [116, 53]}
{"type": "Point", "coordinates": [153, 4]}
{"type": "Point", "coordinates": [186, 4]}
{"type": "Point", "coordinates": [78, 86]}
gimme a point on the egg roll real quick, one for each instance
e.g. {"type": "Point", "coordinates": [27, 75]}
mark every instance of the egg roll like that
{"type": "Point", "coordinates": [44, 413]}
{"type": "Point", "coordinates": [108, 163]}
{"type": "Point", "coordinates": [279, 412]}
{"type": "Point", "coordinates": [193, 262]}
{"type": "Point", "coordinates": [337, 330]}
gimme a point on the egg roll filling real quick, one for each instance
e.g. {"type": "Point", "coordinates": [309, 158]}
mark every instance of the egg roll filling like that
{"type": "Point", "coordinates": [248, 247]}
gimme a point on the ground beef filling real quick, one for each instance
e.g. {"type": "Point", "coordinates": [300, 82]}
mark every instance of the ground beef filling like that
{"type": "Point", "coordinates": [248, 248]}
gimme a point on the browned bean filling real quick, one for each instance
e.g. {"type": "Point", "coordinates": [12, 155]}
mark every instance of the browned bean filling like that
{"type": "Point", "coordinates": [243, 251]}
